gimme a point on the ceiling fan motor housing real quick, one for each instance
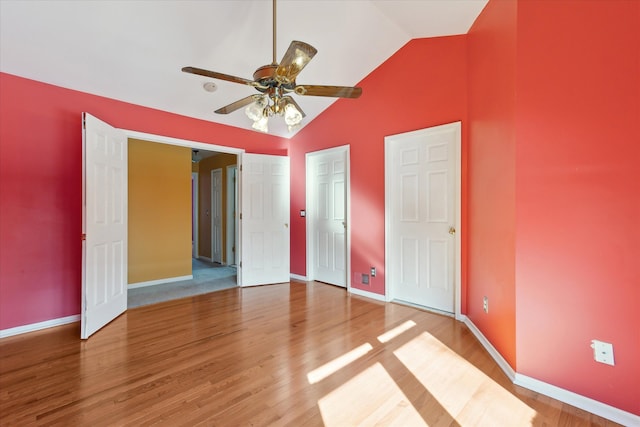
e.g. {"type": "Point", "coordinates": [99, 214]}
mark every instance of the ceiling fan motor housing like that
{"type": "Point", "coordinates": [266, 77]}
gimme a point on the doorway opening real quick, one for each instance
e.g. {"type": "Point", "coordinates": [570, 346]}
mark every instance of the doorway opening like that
{"type": "Point", "coordinates": [206, 270]}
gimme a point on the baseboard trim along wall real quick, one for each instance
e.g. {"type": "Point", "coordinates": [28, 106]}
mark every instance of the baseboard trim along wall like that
{"type": "Point", "coordinates": [595, 407]}
{"type": "Point", "coordinates": [299, 277]}
{"type": "Point", "coordinates": [4, 333]}
{"type": "Point", "coordinates": [506, 368]}
{"type": "Point", "coordinates": [159, 281]}
{"type": "Point", "coordinates": [367, 294]}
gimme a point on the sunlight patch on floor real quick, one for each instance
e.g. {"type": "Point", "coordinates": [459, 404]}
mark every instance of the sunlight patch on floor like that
{"type": "Point", "coordinates": [470, 396]}
{"type": "Point", "coordinates": [389, 335]}
{"type": "Point", "coordinates": [338, 363]}
{"type": "Point", "coordinates": [370, 398]}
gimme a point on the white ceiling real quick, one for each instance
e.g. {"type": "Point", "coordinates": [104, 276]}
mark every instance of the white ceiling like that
{"type": "Point", "coordinates": [134, 50]}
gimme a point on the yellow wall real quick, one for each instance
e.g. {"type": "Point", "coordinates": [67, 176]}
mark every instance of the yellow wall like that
{"type": "Point", "coordinates": [159, 211]}
{"type": "Point", "coordinates": [219, 161]}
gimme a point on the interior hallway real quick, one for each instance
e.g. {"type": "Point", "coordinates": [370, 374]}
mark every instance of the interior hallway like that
{"type": "Point", "coordinates": [207, 277]}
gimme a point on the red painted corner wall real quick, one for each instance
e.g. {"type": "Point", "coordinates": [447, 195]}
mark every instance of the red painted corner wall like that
{"type": "Point", "coordinates": [578, 196]}
{"type": "Point", "coordinates": [421, 85]}
{"type": "Point", "coordinates": [40, 188]}
{"type": "Point", "coordinates": [492, 179]}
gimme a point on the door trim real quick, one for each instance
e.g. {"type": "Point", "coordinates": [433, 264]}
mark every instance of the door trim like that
{"type": "Point", "coordinates": [458, 213]}
{"type": "Point", "coordinates": [309, 204]}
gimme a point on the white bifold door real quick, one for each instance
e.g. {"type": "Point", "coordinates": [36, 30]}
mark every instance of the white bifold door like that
{"type": "Point", "coordinates": [264, 220]}
{"type": "Point", "coordinates": [104, 224]}
{"type": "Point", "coordinates": [420, 180]}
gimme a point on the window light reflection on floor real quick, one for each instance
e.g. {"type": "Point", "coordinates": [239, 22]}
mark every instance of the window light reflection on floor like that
{"type": "Point", "coordinates": [389, 335]}
{"type": "Point", "coordinates": [370, 398]}
{"type": "Point", "coordinates": [469, 395]}
{"type": "Point", "coordinates": [338, 363]}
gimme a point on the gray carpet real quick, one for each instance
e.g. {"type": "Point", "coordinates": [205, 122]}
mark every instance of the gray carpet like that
{"type": "Point", "coordinates": [207, 277]}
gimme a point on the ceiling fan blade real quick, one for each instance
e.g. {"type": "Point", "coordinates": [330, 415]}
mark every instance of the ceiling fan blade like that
{"type": "Point", "coordinates": [214, 75]}
{"type": "Point", "coordinates": [238, 104]}
{"type": "Point", "coordinates": [297, 56]}
{"type": "Point", "coordinates": [334, 91]}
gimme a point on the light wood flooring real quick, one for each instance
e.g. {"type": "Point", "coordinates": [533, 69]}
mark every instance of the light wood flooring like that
{"type": "Point", "coordinates": [289, 354]}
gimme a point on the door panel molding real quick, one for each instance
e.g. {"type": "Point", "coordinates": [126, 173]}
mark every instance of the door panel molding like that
{"type": "Point", "coordinates": [435, 153]}
{"type": "Point", "coordinates": [104, 224]}
{"type": "Point", "coordinates": [339, 190]}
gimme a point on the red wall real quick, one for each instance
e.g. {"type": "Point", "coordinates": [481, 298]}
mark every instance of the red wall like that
{"type": "Point", "coordinates": [492, 182]}
{"type": "Point", "coordinates": [578, 195]}
{"type": "Point", "coordinates": [422, 85]}
{"type": "Point", "coordinates": [40, 188]}
{"type": "Point", "coordinates": [554, 185]}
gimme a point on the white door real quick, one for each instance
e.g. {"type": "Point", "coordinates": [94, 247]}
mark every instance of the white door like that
{"type": "Point", "coordinates": [104, 224]}
{"type": "Point", "coordinates": [194, 214]}
{"type": "Point", "coordinates": [264, 219]}
{"type": "Point", "coordinates": [420, 197]}
{"type": "Point", "coordinates": [232, 191]}
{"type": "Point", "coordinates": [216, 215]}
{"type": "Point", "coordinates": [326, 216]}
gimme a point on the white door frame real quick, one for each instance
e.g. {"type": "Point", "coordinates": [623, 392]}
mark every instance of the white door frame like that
{"type": "Point", "coordinates": [215, 212]}
{"type": "Point", "coordinates": [200, 146]}
{"type": "Point", "coordinates": [309, 206]}
{"type": "Point", "coordinates": [232, 208]}
{"type": "Point", "coordinates": [195, 176]}
{"type": "Point", "coordinates": [458, 215]}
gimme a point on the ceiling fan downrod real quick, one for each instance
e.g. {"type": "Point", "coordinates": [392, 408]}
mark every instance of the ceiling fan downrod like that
{"type": "Point", "coordinates": [274, 62]}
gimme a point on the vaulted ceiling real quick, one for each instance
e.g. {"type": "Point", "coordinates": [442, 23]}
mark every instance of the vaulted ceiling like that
{"type": "Point", "coordinates": [134, 50]}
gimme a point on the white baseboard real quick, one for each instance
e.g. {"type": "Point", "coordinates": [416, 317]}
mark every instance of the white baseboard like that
{"type": "Point", "coordinates": [205, 258]}
{"type": "Point", "coordinates": [598, 408]}
{"type": "Point", "coordinates": [367, 294]}
{"type": "Point", "coordinates": [502, 363]}
{"type": "Point", "coordinates": [595, 407]}
{"type": "Point", "coordinates": [159, 281]}
{"type": "Point", "coordinates": [299, 277]}
{"type": "Point", "coordinates": [40, 325]}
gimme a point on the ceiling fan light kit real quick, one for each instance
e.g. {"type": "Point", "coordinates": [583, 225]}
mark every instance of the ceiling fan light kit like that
{"type": "Point", "coordinates": [276, 82]}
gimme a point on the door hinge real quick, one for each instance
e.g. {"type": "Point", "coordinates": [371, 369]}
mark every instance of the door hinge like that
{"type": "Point", "coordinates": [83, 236]}
{"type": "Point", "coordinates": [240, 215]}
{"type": "Point", "coordinates": [240, 264]}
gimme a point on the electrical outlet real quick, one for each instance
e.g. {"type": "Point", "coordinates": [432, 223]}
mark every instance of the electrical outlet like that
{"type": "Point", "coordinates": [602, 352]}
{"type": "Point", "coordinates": [365, 279]}
{"type": "Point", "coordinates": [485, 304]}
{"type": "Point", "coordinates": [373, 272]}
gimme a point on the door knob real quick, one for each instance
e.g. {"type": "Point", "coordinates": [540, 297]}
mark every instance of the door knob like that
{"type": "Point", "coordinates": [452, 230]}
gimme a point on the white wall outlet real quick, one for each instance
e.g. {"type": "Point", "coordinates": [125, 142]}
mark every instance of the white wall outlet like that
{"type": "Point", "coordinates": [602, 352]}
{"type": "Point", "coordinates": [373, 272]}
{"type": "Point", "coordinates": [485, 304]}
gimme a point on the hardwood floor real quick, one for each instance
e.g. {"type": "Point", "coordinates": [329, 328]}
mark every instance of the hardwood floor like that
{"type": "Point", "coordinates": [287, 354]}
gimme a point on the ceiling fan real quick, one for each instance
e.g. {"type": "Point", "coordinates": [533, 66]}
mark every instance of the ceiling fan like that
{"type": "Point", "coordinates": [276, 82]}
